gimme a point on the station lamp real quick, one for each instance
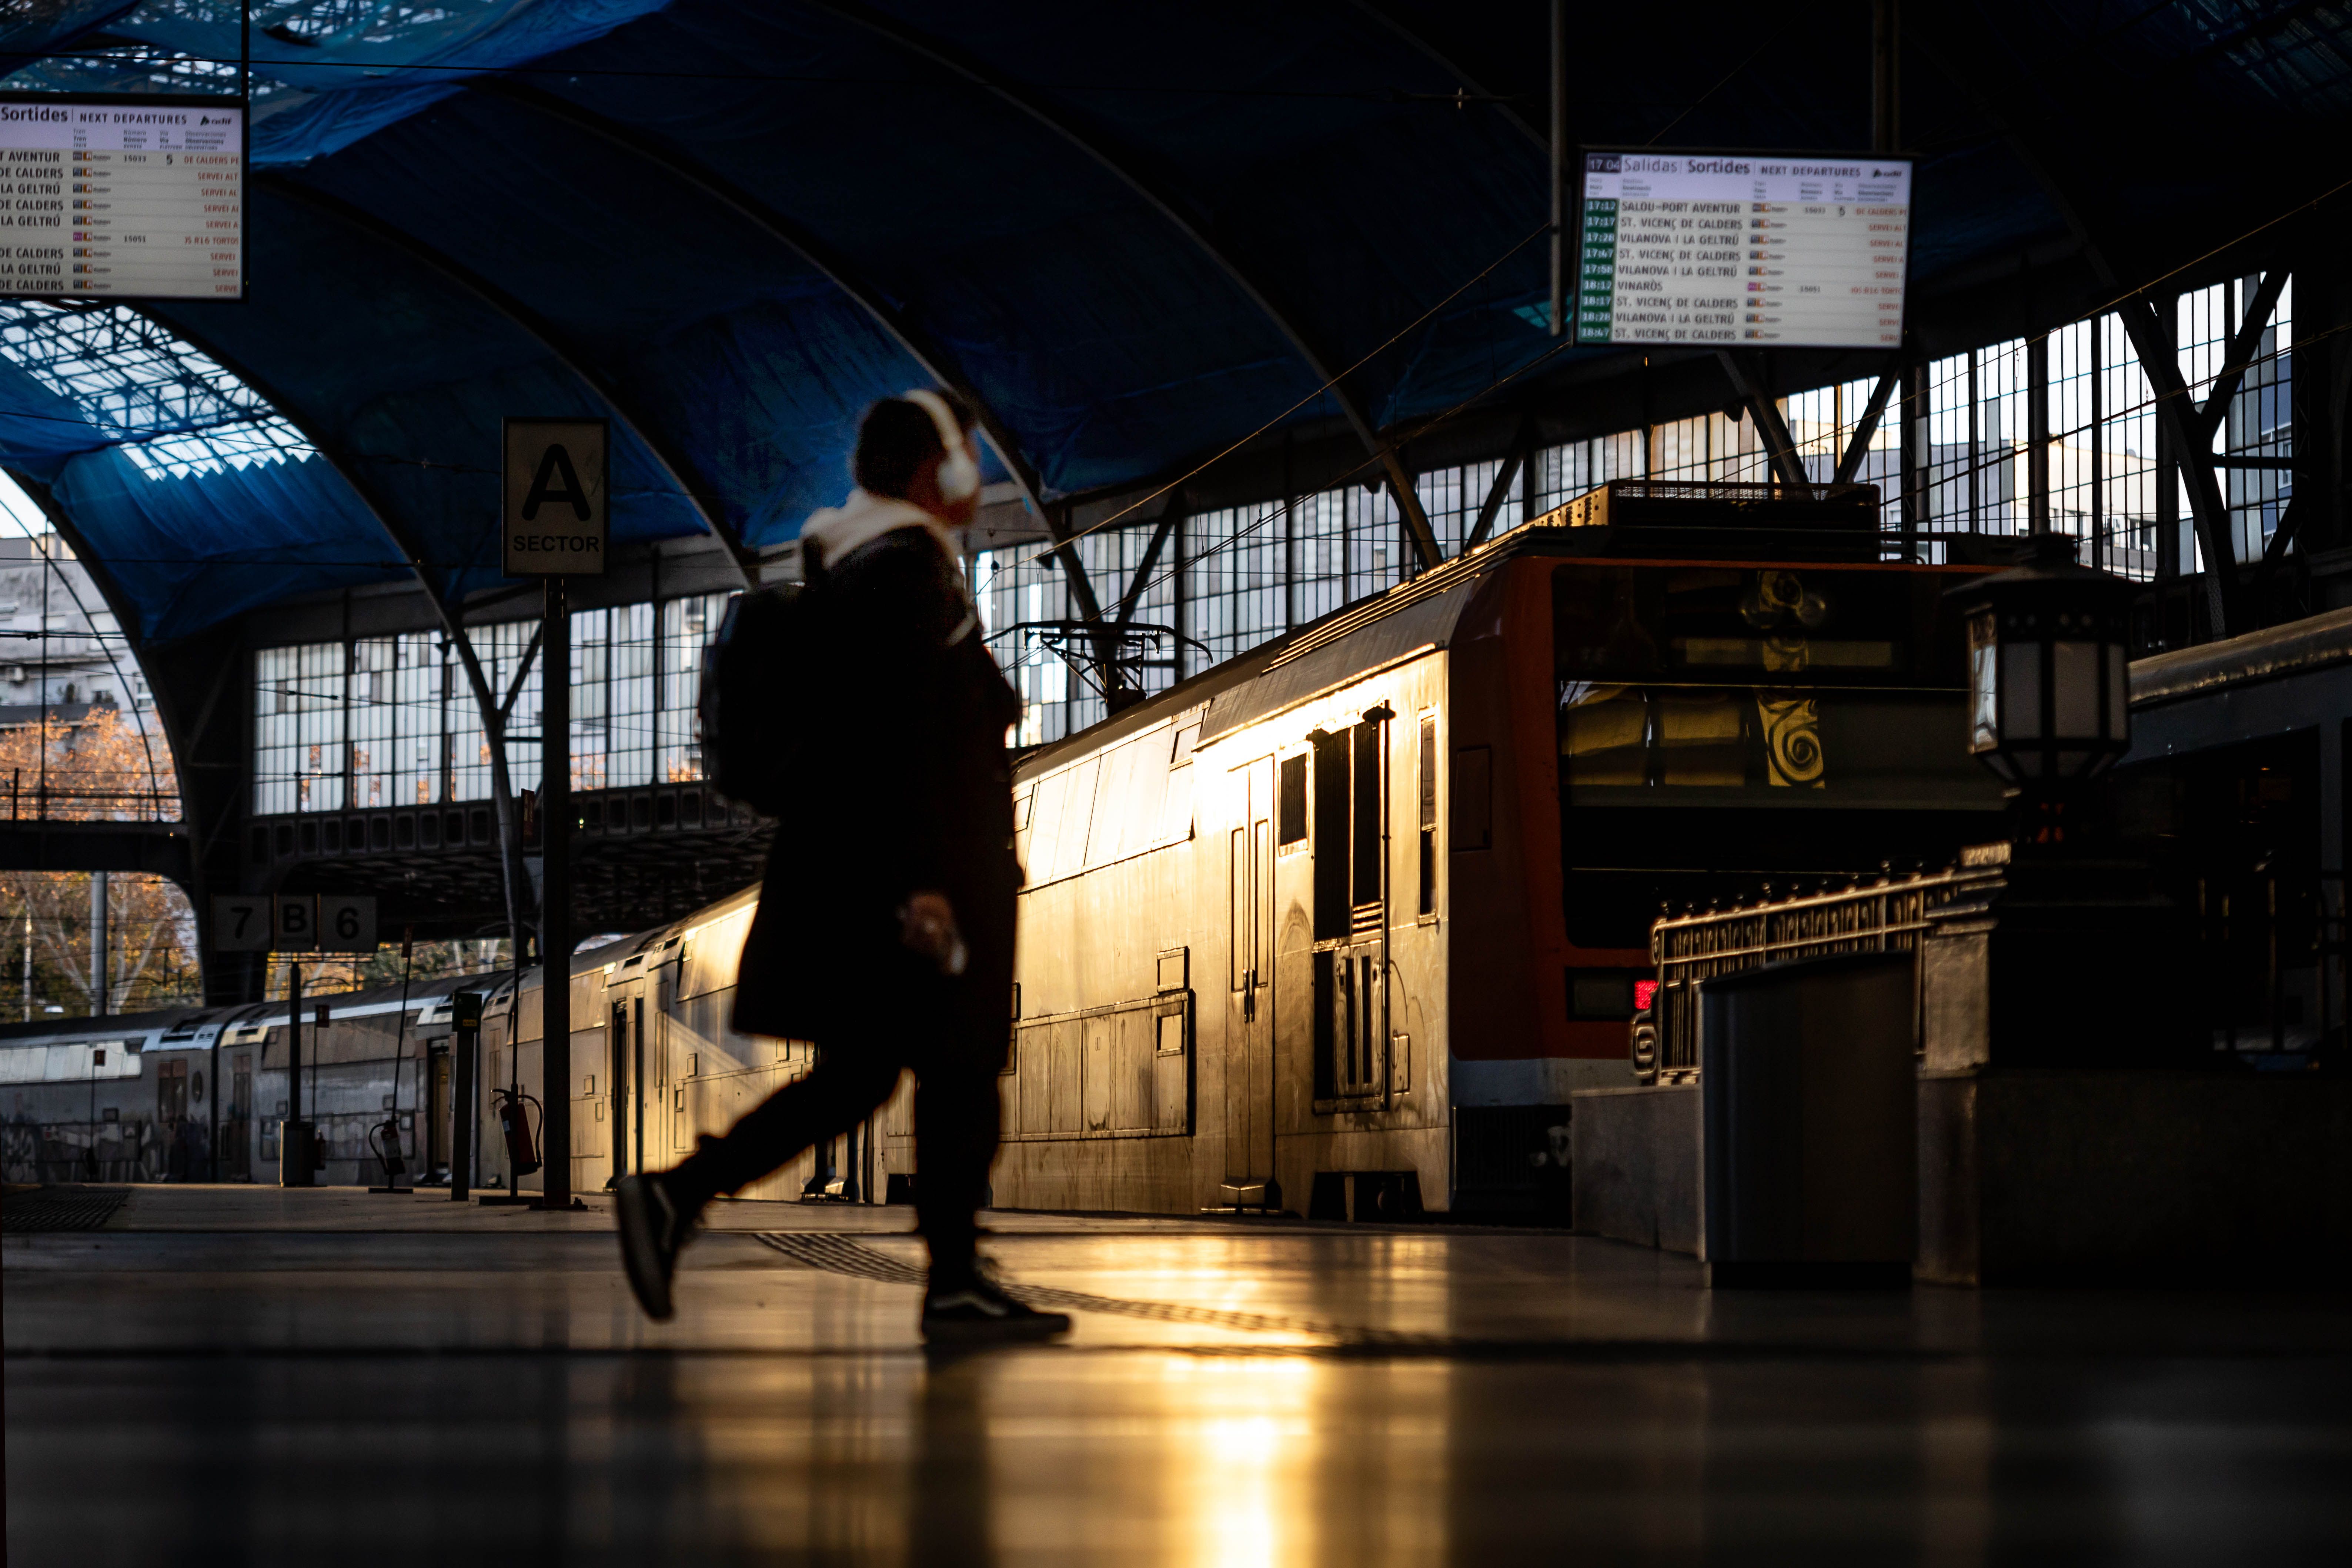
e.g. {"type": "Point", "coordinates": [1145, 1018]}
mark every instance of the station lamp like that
{"type": "Point", "coordinates": [2048, 702]}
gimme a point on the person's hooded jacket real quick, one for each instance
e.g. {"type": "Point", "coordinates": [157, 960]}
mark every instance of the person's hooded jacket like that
{"type": "Point", "coordinates": [908, 788]}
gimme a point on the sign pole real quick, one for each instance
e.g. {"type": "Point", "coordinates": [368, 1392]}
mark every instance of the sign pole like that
{"type": "Point", "coordinates": [293, 1146]}
{"type": "Point", "coordinates": [1562, 252]}
{"type": "Point", "coordinates": [555, 896]}
{"type": "Point", "coordinates": [556, 525]}
{"type": "Point", "coordinates": [465, 1022]}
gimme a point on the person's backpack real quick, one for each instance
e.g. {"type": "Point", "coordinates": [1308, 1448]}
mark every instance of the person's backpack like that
{"type": "Point", "coordinates": [752, 708]}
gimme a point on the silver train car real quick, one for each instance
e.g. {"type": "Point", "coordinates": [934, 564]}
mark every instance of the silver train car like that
{"type": "Point", "coordinates": [200, 1094]}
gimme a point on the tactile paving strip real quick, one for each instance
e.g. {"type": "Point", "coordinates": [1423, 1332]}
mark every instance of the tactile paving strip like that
{"type": "Point", "coordinates": [61, 1208]}
{"type": "Point", "coordinates": [838, 1255]}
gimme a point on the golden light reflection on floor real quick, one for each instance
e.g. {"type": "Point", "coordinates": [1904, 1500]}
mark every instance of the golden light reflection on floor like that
{"type": "Point", "coordinates": [1246, 1442]}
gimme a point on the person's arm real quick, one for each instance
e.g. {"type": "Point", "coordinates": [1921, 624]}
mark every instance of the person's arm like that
{"type": "Point", "coordinates": [927, 923]}
{"type": "Point", "coordinates": [898, 601]}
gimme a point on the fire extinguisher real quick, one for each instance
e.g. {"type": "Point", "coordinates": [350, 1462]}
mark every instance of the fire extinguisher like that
{"type": "Point", "coordinates": [522, 1156]}
{"type": "Point", "coordinates": [385, 1136]}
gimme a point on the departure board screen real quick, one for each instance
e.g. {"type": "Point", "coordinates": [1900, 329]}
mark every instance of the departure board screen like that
{"type": "Point", "coordinates": [1742, 249]}
{"type": "Point", "coordinates": [142, 199]}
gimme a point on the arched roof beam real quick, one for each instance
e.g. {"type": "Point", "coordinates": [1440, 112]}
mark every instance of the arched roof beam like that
{"type": "Point", "coordinates": [924, 349]}
{"type": "Point", "coordinates": [1125, 166]}
{"type": "Point", "coordinates": [1507, 107]}
{"type": "Point", "coordinates": [126, 619]}
{"type": "Point", "coordinates": [411, 550]}
{"type": "Point", "coordinates": [677, 467]}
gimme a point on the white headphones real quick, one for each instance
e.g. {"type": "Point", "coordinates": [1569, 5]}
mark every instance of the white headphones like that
{"type": "Point", "coordinates": [959, 474]}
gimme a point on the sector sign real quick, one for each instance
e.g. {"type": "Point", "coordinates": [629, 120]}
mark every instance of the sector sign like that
{"type": "Point", "coordinates": [1742, 249]}
{"type": "Point", "coordinates": [135, 198]}
{"type": "Point", "coordinates": [558, 494]}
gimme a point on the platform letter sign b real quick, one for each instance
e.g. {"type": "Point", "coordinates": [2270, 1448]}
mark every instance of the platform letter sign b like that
{"type": "Point", "coordinates": [557, 487]}
{"type": "Point", "coordinates": [298, 923]}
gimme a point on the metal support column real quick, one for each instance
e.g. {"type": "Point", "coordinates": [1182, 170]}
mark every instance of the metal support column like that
{"type": "Point", "coordinates": [1779, 447]}
{"type": "Point", "coordinates": [555, 897]}
{"type": "Point", "coordinates": [99, 966]}
{"type": "Point", "coordinates": [2172, 560]}
{"type": "Point", "coordinates": [1865, 425]}
{"type": "Point", "coordinates": [1975, 469]}
{"type": "Point", "coordinates": [2098, 445]}
{"type": "Point", "coordinates": [2037, 433]}
{"type": "Point", "coordinates": [1559, 245]}
{"type": "Point", "coordinates": [1913, 484]}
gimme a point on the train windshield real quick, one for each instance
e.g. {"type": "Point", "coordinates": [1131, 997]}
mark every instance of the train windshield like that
{"type": "Point", "coordinates": [1721, 726]}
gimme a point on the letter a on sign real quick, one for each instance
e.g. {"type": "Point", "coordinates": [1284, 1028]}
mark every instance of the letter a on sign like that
{"type": "Point", "coordinates": [558, 483]}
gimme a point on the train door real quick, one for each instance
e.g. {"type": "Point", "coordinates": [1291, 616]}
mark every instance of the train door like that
{"type": "Point", "coordinates": [438, 1111]}
{"type": "Point", "coordinates": [1249, 1026]}
{"type": "Point", "coordinates": [665, 1062]}
{"type": "Point", "coordinates": [1351, 975]}
{"type": "Point", "coordinates": [239, 1130]}
{"type": "Point", "coordinates": [170, 1115]}
{"type": "Point", "coordinates": [625, 1034]}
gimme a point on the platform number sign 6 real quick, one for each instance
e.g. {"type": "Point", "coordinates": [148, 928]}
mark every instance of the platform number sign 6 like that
{"type": "Point", "coordinates": [346, 923]}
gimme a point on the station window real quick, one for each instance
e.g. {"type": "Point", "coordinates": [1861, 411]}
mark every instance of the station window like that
{"type": "Point", "coordinates": [1293, 801]}
{"type": "Point", "coordinates": [1428, 768]}
{"type": "Point", "coordinates": [1330, 828]}
{"type": "Point", "coordinates": [393, 721]}
{"type": "Point", "coordinates": [1365, 874]}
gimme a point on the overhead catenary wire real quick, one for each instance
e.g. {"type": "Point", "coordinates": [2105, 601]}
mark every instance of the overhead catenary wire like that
{"type": "Point", "coordinates": [1333, 381]}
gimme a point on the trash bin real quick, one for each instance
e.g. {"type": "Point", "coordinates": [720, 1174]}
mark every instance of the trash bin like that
{"type": "Point", "coordinates": [1809, 1105]}
{"type": "Point", "coordinates": [297, 1154]}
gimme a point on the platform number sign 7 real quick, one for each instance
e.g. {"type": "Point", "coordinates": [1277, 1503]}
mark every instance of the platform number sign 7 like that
{"type": "Point", "coordinates": [242, 923]}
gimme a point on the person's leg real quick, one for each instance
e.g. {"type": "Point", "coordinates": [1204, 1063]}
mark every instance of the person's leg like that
{"type": "Point", "coordinates": [957, 1113]}
{"type": "Point", "coordinates": [957, 1116]}
{"type": "Point", "coordinates": [839, 1092]}
{"type": "Point", "coordinates": [654, 1213]}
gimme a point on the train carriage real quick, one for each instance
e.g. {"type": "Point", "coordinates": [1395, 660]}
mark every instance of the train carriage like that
{"type": "Point", "coordinates": [1337, 927]}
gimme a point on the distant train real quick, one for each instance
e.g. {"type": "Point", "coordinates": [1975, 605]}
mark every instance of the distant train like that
{"type": "Point", "coordinates": [1335, 927]}
{"type": "Point", "coordinates": [199, 1094]}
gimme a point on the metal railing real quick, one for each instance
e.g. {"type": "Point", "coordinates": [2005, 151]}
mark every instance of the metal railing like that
{"type": "Point", "coordinates": [1890, 914]}
{"type": "Point", "coordinates": [85, 794]}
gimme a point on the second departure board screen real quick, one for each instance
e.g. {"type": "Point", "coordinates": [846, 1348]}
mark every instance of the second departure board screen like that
{"type": "Point", "coordinates": [1740, 249]}
{"type": "Point", "coordinates": [135, 199]}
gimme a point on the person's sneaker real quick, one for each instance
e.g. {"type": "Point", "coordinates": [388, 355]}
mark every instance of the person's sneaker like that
{"type": "Point", "coordinates": [652, 1232]}
{"type": "Point", "coordinates": [978, 1311]}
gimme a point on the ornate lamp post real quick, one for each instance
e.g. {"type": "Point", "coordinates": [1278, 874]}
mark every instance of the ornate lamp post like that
{"type": "Point", "coordinates": [2049, 703]}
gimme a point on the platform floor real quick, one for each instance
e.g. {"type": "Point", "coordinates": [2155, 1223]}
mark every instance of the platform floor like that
{"type": "Point", "coordinates": [241, 1375]}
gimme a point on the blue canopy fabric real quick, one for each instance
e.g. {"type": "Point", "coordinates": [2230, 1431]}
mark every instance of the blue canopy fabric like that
{"type": "Point", "coordinates": [326, 73]}
{"type": "Point", "coordinates": [1138, 237]}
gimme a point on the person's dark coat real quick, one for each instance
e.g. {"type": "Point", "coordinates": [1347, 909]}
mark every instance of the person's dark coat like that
{"type": "Point", "coordinates": [908, 789]}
